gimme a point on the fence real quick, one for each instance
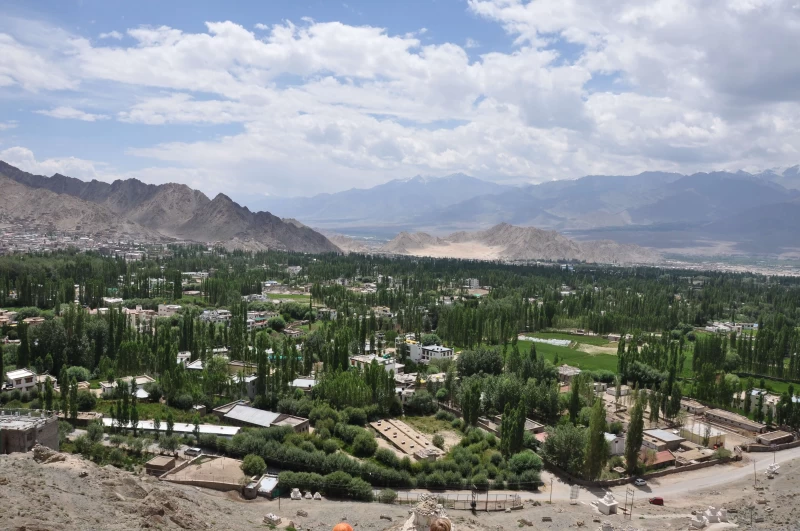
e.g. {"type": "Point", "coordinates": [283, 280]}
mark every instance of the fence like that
{"type": "Point", "coordinates": [484, 501]}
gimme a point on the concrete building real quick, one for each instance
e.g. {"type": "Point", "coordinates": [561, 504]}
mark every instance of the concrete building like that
{"type": "Point", "coordinates": [22, 379]}
{"type": "Point", "coordinates": [697, 432]}
{"type": "Point", "coordinates": [775, 437]}
{"type": "Point", "coordinates": [692, 406]}
{"type": "Point", "coordinates": [672, 441]}
{"type": "Point", "coordinates": [434, 352]}
{"type": "Point", "coordinates": [168, 310]}
{"type": "Point", "coordinates": [661, 459]}
{"type": "Point", "coordinates": [243, 415]}
{"type": "Point", "coordinates": [472, 283]}
{"type": "Point", "coordinates": [616, 444]}
{"type": "Point", "coordinates": [306, 384]}
{"type": "Point", "coordinates": [624, 390]}
{"type": "Point", "coordinates": [389, 364]}
{"type": "Point", "coordinates": [720, 416]}
{"type": "Point", "coordinates": [159, 465]}
{"type": "Point", "coordinates": [179, 428]}
{"type": "Point", "coordinates": [20, 431]}
{"type": "Point", "coordinates": [566, 373]}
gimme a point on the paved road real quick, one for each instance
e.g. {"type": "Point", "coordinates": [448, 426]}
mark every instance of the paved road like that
{"type": "Point", "coordinates": [680, 484]}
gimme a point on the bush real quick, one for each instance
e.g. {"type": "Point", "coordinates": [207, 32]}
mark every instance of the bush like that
{"type": "Point", "coordinates": [355, 416]}
{"type": "Point", "coordinates": [360, 489]}
{"type": "Point", "coordinates": [445, 415]}
{"type": "Point", "coordinates": [253, 465]}
{"type": "Point", "coordinates": [387, 458]}
{"type": "Point", "coordinates": [86, 401]}
{"type": "Point", "coordinates": [95, 431]}
{"type": "Point", "coordinates": [337, 483]}
{"type": "Point", "coordinates": [116, 457]}
{"type": "Point", "coordinates": [721, 453]}
{"type": "Point", "coordinates": [183, 401]}
{"type": "Point", "coordinates": [322, 412]}
{"type": "Point", "coordinates": [64, 429]}
{"type": "Point", "coordinates": [81, 374]}
{"type": "Point", "coordinates": [35, 404]}
{"type": "Point", "coordinates": [525, 461]}
{"type": "Point", "coordinates": [421, 403]}
{"type": "Point", "coordinates": [116, 439]}
{"type": "Point", "coordinates": [365, 445]}
{"type": "Point", "coordinates": [435, 481]}
{"type": "Point", "coordinates": [330, 446]}
{"type": "Point", "coordinates": [438, 441]}
{"type": "Point", "coordinates": [83, 445]}
{"type": "Point", "coordinates": [387, 496]}
{"type": "Point", "coordinates": [456, 424]}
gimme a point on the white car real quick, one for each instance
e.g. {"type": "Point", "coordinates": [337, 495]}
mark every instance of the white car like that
{"type": "Point", "coordinates": [192, 451]}
{"type": "Point", "coordinates": [640, 482]}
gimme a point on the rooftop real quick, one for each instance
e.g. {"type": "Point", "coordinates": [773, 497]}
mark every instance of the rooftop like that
{"type": "Point", "coordinates": [774, 435]}
{"type": "Point", "coordinates": [663, 435]}
{"type": "Point", "coordinates": [19, 373]}
{"type": "Point", "coordinates": [183, 428]}
{"type": "Point", "coordinates": [251, 415]}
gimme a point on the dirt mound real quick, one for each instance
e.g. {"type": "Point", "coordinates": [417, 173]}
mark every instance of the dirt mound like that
{"type": "Point", "coordinates": [44, 455]}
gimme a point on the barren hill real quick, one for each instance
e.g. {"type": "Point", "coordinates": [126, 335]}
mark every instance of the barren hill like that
{"type": "Point", "coordinates": [509, 242]}
{"type": "Point", "coordinates": [146, 211]}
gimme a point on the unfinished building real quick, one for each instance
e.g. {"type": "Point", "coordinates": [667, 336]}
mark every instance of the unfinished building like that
{"type": "Point", "coordinates": [20, 431]}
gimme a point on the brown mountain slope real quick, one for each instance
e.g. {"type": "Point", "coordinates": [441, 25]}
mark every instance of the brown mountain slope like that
{"type": "Point", "coordinates": [154, 211]}
{"type": "Point", "coordinates": [48, 210]}
{"type": "Point", "coordinates": [509, 242]}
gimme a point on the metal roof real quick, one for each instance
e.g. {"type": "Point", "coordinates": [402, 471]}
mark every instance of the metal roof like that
{"type": "Point", "coordinates": [182, 427]}
{"type": "Point", "coordinates": [19, 373]}
{"type": "Point", "coordinates": [663, 435]}
{"type": "Point", "coordinates": [251, 415]}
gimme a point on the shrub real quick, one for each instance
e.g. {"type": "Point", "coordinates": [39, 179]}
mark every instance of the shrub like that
{"type": "Point", "coordinates": [721, 453]}
{"type": "Point", "coordinates": [95, 431]}
{"type": "Point", "coordinates": [322, 412]}
{"type": "Point", "coordinates": [337, 483]}
{"type": "Point", "coordinates": [480, 481]}
{"type": "Point", "coordinates": [436, 481]}
{"type": "Point", "coordinates": [253, 465]}
{"type": "Point", "coordinates": [183, 401]}
{"type": "Point", "coordinates": [83, 445]}
{"type": "Point", "coordinates": [365, 445]}
{"type": "Point", "coordinates": [81, 374]}
{"type": "Point", "coordinates": [330, 446]}
{"type": "Point", "coordinates": [86, 401]}
{"type": "Point", "coordinates": [456, 424]}
{"type": "Point", "coordinates": [496, 458]}
{"type": "Point", "coordinates": [116, 457]}
{"type": "Point", "coordinates": [524, 461]}
{"type": "Point", "coordinates": [116, 439]}
{"type": "Point", "coordinates": [438, 441]}
{"type": "Point", "coordinates": [387, 457]}
{"type": "Point", "coordinates": [360, 489]}
{"type": "Point", "coordinates": [387, 496]}
{"type": "Point", "coordinates": [445, 415]}
{"type": "Point", "coordinates": [64, 429]}
{"type": "Point", "coordinates": [355, 416]}
{"type": "Point", "coordinates": [35, 404]}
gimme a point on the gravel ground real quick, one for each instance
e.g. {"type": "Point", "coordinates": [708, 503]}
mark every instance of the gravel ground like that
{"type": "Point", "coordinates": [68, 492]}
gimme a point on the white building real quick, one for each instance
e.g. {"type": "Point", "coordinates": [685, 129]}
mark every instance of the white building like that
{"type": "Point", "coordinates": [168, 310]}
{"type": "Point", "coordinates": [421, 354]}
{"type": "Point", "coordinates": [389, 364]}
{"type": "Point", "coordinates": [472, 283]}
{"type": "Point", "coordinates": [616, 444]}
{"type": "Point", "coordinates": [21, 379]}
{"type": "Point", "coordinates": [109, 301]}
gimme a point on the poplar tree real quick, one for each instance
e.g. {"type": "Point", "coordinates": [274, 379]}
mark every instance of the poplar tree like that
{"type": "Point", "coordinates": [634, 437]}
{"type": "Point", "coordinates": [596, 444]}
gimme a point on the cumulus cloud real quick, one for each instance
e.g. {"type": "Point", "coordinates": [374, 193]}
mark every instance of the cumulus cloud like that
{"type": "Point", "coordinates": [111, 35]}
{"type": "Point", "coordinates": [5, 126]}
{"type": "Point", "coordinates": [588, 87]}
{"type": "Point", "coordinates": [70, 113]}
{"type": "Point", "coordinates": [24, 159]}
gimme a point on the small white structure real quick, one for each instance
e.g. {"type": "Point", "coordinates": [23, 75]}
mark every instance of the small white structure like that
{"type": "Point", "coordinates": [308, 495]}
{"type": "Point", "coordinates": [616, 443]}
{"type": "Point", "coordinates": [607, 504]}
{"type": "Point", "coordinates": [273, 519]}
{"type": "Point", "coordinates": [295, 495]}
{"type": "Point", "coordinates": [699, 521]}
{"type": "Point", "coordinates": [714, 515]}
{"type": "Point", "coordinates": [317, 496]}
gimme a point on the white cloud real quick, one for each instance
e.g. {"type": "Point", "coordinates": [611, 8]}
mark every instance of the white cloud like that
{"type": "Point", "coordinates": [24, 159]}
{"type": "Point", "coordinates": [5, 126]}
{"type": "Point", "coordinates": [70, 113]}
{"type": "Point", "coordinates": [589, 87]}
{"type": "Point", "coordinates": [111, 35]}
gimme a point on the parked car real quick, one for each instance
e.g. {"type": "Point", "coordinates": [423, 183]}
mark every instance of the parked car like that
{"type": "Point", "coordinates": [657, 501]}
{"type": "Point", "coordinates": [192, 451]}
{"type": "Point", "coordinates": [640, 482]}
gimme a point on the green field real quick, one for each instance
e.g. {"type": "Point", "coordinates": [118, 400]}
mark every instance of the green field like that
{"type": "Point", "coordinates": [299, 297]}
{"type": "Point", "coordinates": [588, 340]}
{"type": "Point", "coordinates": [576, 358]}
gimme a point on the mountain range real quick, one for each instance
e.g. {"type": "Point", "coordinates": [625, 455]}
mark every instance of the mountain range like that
{"type": "Point", "coordinates": [132, 209]}
{"type": "Point", "coordinates": [508, 242]}
{"type": "Point", "coordinates": [740, 212]}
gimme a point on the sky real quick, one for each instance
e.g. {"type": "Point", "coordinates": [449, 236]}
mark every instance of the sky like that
{"type": "Point", "coordinates": [298, 97]}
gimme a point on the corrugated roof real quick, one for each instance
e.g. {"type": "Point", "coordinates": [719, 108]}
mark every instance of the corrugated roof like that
{"type": "Point", "coordinates": [666, 436]}
{"type": "Point", "coordinates": [251, 415]}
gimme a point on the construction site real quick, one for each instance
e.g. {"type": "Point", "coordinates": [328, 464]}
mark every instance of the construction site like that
{"type": "Point", "coordinates": [21, 430]}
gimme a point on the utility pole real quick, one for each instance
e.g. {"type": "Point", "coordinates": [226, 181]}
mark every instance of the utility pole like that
{"type": "Point", "coordinates": [551, 491]}
{"type": "Point", "coordinates": [754, 473]}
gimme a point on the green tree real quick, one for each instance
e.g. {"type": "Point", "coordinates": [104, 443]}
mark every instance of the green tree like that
{"type": "Point", "coordinates": [596, 444]}
{"type": "Point", "coordinates": [634, 437]}
{"type": "Point", "coordinates": [196, 430]}
{"type": "Point", "coordinates": [157, 424]}
{"type": "Point", "coordinates": [73, 399]}
{"type": "Point", "coordinates": [170, 424]}
{"type": "Point", "coordinates": [134, 418]}
{"type": "Point", "coordinates": [253, 465]}
{"type": "Point", "coordinates": [48, 394]}
{"type": "Point", "coordinates": [565, 446]}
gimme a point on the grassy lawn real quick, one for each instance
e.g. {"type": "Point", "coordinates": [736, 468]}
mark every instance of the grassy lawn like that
{"type": "Point", "coordinates": [298, 297]}
{"type": "Point", "coordinates": [588, 340]}
{"type": "Point", "coordinates": [428, 424]}
{"type": "Point", "coordinates": [576, 358]}
{"type": "Point", "coordinates": [148, 411]}
{"type": "Point", "coordinates": [773, 386]}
